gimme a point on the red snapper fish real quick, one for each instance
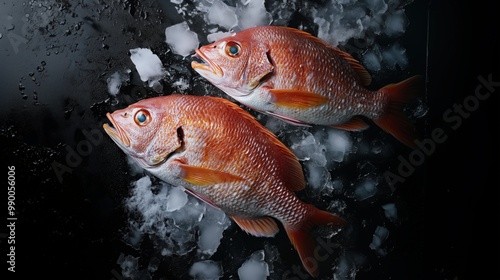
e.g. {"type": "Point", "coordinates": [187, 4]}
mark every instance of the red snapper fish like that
{"type": "Point", "coordinates": [296, 77]}
{"type": "Point", "coordinates": [219, 153]}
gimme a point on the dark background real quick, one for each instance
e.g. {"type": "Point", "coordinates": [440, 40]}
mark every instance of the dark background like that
{"type": "Point", "coordinates": [72, 229]}
{"type": "Point", "coordinates": [462, 198]}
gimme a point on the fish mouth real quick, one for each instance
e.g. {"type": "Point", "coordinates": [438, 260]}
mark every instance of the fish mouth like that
{"type": "Point", "coordinates": [206, 64]}
{"type": "Point", "coordinates": [116, 132]}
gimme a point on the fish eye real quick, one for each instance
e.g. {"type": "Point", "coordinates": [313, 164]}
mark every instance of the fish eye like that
{"type": "Point", "coordinates": [233, 49]}
{"type": "Point", "coordinates": [142, 117]}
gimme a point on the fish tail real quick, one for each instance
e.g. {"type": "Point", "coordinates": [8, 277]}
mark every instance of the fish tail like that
{"type": "Point", "coordinates": [300, 236]}
{"type": "Point", "coordinates": [394, 120]}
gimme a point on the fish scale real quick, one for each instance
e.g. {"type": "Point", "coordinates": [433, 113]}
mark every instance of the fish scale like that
{"type": "Point", "coordinates": [220, 154]}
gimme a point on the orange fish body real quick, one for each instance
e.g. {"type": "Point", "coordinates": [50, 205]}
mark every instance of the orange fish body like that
{"type": "Point", "coordinates": [222, 155]}
{"type": "Point", "coordinates": [289, 74]}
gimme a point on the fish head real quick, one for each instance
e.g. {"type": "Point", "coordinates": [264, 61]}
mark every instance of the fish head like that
{"type": "Point", "coordinates": [145, 131]}
{"type": "Point", "coordinates": [236, 64]}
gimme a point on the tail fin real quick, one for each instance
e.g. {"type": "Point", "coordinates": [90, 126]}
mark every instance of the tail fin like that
{"type": "Point", "coordinates": [394, 120]}
{"type": "Point", "coordinates": [303, 241]}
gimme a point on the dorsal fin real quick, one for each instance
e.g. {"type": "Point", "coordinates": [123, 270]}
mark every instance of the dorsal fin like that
{"type": "Point", "coordinates": [294, 179]}
{"type": "Point", "coordinates": [364, 77]}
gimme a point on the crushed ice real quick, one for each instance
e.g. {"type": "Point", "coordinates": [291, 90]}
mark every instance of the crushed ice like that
{"type": "Point", "coordinates": [174, 218]}
{"type": "Point", "coordinates": [178, 223]}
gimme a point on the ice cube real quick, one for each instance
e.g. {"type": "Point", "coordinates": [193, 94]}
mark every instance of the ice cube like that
{"type": "Point", "coordinates": [365, 189]}
{"type": "Point", "coordinates": [114, 83]}
{"type": "Point", "coordinates": [395, 24]}
{"type": "Point", "coordinates": [212, 226]}
{"type": "Point", "coordinates": [395, 55]}
{"type": "Point", "coordinates": [379, 236]}
{"type": "Point", "coordinates": [181, 39]}
{"type": "Point", "coordinates": [253, 13]}
{"type": "Point", "coordinates": [206, 270]}
{"type": "Point", "coordinates": [255, 268]}
{"type": "Point", "coordinates": [318, 177]}
{"type": "Point", "coordinates": [149, 66]}
{"type": "Point", "coordinates": [176, 199]}
{"type": "Point", "coordinates": [390, 211]}
{"type": "Point", "coordinates": [212, 37]}
{"type": "Point", "coordinates": [339, 144]}
{"type": "Point", "coordinates": [372, 60]}
{"type": "Point", "coordinates": [222, 14]}
{"type": "Point", "coordinates": [128, 264]}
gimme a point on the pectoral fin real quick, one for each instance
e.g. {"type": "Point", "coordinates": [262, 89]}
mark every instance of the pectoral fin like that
{"type": "Point", "coordinates": [202, 176]}
{"type": "Point", "coordinates": [261, 227]}
{"type": "Point", "coordinates": [297, 99]}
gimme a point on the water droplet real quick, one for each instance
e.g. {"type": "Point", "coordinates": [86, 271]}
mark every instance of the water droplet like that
{"type": "Point", "coordinates": [33, 78]}
{"type": "Point", "coordinates": [48, 54]}
{"type": "Point", "coordinates": [40, 68]}
{"type": "Point", "coordinates": [10, 27]}
{"type": "Point", "coordinates": [43, 63]}
{"type": "Point", "coordinates": [21, 87]}
{"type": "Point", "coordinates": [1, 35]}
{"type": "Point", "coordinates": [24, 97]}
{"type": "Point", "coordinates": [31, 74]}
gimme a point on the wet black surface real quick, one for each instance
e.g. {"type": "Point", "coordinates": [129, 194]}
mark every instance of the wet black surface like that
{"type": "Point", "coordinates": [71, 179]}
